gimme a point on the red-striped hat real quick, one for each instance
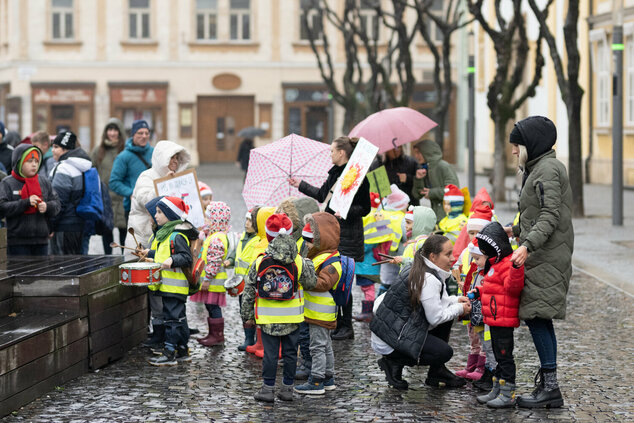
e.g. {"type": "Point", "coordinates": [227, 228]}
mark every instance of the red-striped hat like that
{"type": "Point", "coordinates": [480, 218]}
{"type": "Point", "coordinates": [278, 224]}
{"type": "Point", "coordinates": [453, 194]}
{"type": "Point", "coordinates": [173, 208]}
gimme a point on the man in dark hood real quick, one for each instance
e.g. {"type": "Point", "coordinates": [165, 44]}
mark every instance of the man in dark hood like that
{"type": "Point", "coordinates": [6, 150]}
{"type": "Point", "coordinates": [400, 169]}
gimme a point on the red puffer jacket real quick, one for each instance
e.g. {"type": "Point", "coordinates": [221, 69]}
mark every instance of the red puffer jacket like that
{"type": "Point", "coordinates": [500, 294]}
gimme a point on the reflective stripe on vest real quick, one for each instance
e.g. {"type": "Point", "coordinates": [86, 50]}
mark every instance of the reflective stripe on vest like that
{"type": "Point", "coordinates": [451, 227]}
{"type": "Point", "coordinates": [321, 305]}
{"type": "Point", "coordinates": [396, 219]}
{"type": "Point", "coordinates": [278, 311]}
{"type": "Point", "coordinates": [173, 281]}
{"type": "Point", "coordinates": [376, 232]}
{"type": "Point", "coordinates": [217, 283]}
{"type": "Point", "coordinates": [245, 255]}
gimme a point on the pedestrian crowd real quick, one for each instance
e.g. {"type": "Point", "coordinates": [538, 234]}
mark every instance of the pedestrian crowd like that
{"type": "Point", "coordinates": [420, 269]}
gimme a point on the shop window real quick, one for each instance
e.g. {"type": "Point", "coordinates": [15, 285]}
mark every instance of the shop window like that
{"type": "Point", "coordinates": [307, 112]}
{"type": "Point", "coordinates": [311, 10]}
{"type": "Point", "coordinates": [139, 19]}
{"type": "Point", "coordinates": [206, 19]}
{"type": "Point", "coordinates": [240, 19]}
{"type": "Point", "coordinates": [62, 20]}
{"type": "Point", "coordinates": [186, 120]}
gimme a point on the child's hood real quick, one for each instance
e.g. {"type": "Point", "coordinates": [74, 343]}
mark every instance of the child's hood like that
{"type": "Point", "coordinates": [494, 242]}
{"type": "Point", "coordinates": [162, 154]}
{"type": "Point", "coordinates": [481, 196]}
{"type": "Point", "coordinates": [218, 215]}
{"type": "Point", "coordinates": [18, 153]}
{"type": "Point", "coordinates": [326, 233]}
{"type": "Point", "coordinates": [263, 213]}
{"type": "Point", "coordinates": [430, 150]}
{"type": "Point", "coordinates": [283, 249]}
{"type": "Point", "coordinates": [424, 221]}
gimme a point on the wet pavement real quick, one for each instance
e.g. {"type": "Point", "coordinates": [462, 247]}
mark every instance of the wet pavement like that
{"type": "Point", "coordinates": [595, 344]}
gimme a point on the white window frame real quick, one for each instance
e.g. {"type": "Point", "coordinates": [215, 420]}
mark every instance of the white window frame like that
{"type": "Point", "coordinates": [207, 15]}
{"type": "Point", "coordinates": [138, 13]}
{"type": "Point", "coordinates": [604, 83]}
{"type": "Point", "coordinates": [312, 14]}
{"type": "Point", "coordinates": [431, 25]}
{"type": "Point", "coordinates": [64, 13]}
{"type": "Point", "coordinates": [369, 14]}
{"type": "Point", "coordinates": [239, 14]}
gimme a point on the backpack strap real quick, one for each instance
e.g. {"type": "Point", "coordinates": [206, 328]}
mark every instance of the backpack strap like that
{"type": "Point", "coordinates": [330, 260]}
{"type": "Point", "coordinates": [173, 240]}
{"type": "Point", "coordinates": [147, 165]}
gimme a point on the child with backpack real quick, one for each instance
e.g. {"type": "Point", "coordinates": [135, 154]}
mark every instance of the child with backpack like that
{"type": "Point", "coordinates": [500, 296]}
{"type": "Point", "coordinates": [170, 246]}
{"type": "Point", "coordinates": [214, 252]}
{"type": "Point", "coordinates": [321, 234]}
{"type": "Point", "coordinates": [27, 201]}
{"type": "Point", "coordinates": [272, 298]}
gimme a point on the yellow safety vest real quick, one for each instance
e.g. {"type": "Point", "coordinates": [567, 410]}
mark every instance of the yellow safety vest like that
{"type": "Point", "coordinates": [451, 227]}
{"type": "Point", "coordinates": [321, 305]}
{"type": "Point", "coordinates": [414, 246]}
{"type": "Point", "coordinates": [376, 231]}
{"type": "Point", "coordinates": [173, 281]}
{"type": "Point", "coordinates": [396, 220]}
{"type": "Point", "coordinates": [276, 311]}
{"type": "Point", "coordinates": [245, 255]}
{"type": "Point", "coordinates": [217, 284]}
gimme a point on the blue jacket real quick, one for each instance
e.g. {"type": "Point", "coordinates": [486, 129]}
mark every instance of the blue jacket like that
{"type": "Point", "coordinates": [126, 170]}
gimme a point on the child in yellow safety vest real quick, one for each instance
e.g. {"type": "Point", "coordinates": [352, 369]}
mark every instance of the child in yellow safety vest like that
{"type": "Point", "coordinates": [170, 247]}
{"type": "Point", "coordinates": [273, 299]}
{"type": "Point", "coordinates": [321, 233]}
{"type": "Point", "coordinates": [452, 223]}
{"type": "Point", "coordinates": [245, 255]}
{"type": "Point", "coordinates": [419, 223]}
{"type": "Point", "coordinates": [214, 252]}
{"type": "Point", "coordinates": [476, 360]}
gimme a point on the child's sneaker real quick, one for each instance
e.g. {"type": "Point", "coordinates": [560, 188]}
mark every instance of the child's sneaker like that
{"type": "Point", "coordinates": [311, 388]}
{"type": "Point", "coordinates": [168, 358]}
{"type": "Point", "coordinates": [182, 355]}
{"type": "Point", "coordinates": [329, 383]}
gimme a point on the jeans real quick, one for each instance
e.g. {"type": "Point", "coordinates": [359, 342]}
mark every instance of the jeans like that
{"type": "Point", "coordinates": [502, 341]}
{"type": "Point", "coordinates": [28, 250]}
{"type": "Point", "coordinates": [436, 350]}
{"type": "Point", "coordinates": [156, 307]}
{"type": "Point", "coordinates": [176, 329]}
{"type": "Point", "coordinates": [323, 365]}
{"type": "Point", "coordinates": [66, 243]}
{"type": "Point", "coordinates": [304, 344]}
{"type": "Point", "coordinates": [215, 312]}
{"type": "Point", "coordinates": [271, 346]}
{"type": "Point", "coordinates": [543, 334]}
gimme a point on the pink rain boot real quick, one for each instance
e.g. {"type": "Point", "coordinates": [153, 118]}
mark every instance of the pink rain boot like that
{"type": "Point", "coordinates": [479, 370]}
{"type": "Point", "coordinates": [472, 361]}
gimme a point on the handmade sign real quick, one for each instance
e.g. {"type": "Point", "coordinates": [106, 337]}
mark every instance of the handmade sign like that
{"type": "Point", "coordinates": [350, 180]}
{"type": "Point", "coordinates": [379, 182]}
{"type": "Point", "coordinates": [184, 185]}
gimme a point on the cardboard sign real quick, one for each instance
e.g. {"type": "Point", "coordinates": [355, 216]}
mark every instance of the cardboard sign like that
{"type": "Point", "coordinates": [350, 180]}
{"type": "Point", "coordinates": [184, 185]}
{"type": "Point", "coordinates": [379, 182]}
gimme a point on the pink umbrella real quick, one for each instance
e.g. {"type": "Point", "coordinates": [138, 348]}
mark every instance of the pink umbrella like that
{"type": "Point", "coordinates": [390, 128]}
{"type": "Point", "coordinates": [271, 166]}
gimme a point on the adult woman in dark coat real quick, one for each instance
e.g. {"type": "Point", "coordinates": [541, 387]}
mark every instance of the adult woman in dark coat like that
{"type": "Point", "coordinates": [351, 238]}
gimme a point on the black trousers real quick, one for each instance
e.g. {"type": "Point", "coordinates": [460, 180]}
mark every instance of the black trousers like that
{"type": "Point", "coordinates": [344, 315]}
{"type": "Point", "coordinates": [502, 343]}
{"type": "Point", "coordinates": [175, 317]}
{"type": "Point", "coordinates": [271, 345]}
{"type": "Point", "coordinates": [436, 350]}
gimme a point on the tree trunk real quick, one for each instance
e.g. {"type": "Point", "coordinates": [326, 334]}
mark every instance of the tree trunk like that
{"type": "Point", "coordinates": [499, 167]}
{"type": "Point", "coordinates": [575, 162]}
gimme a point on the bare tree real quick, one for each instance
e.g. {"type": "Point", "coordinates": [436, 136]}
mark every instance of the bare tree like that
{"type": "Point", "coordinates": [450, 20]}
{"type": "Point", "coordinates": [366, 84]}
{"type": "Point", "coordinates": [571, 92]}
{"type": "Point", "coordinates": [505, 97]}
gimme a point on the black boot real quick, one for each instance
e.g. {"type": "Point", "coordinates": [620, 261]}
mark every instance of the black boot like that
{"type": "Point", "coordinates": [157, 339]}
{"type": "Point", "coordinates": [393, 373]}
{"type": "Point", "coordinates": [485, 383]}
{"type": "Point", "coordinates": [441, 376]}
{"type": "Point", "coordinates": [344, 333]}
{"type": "Point", "coordinates": [546, 393]}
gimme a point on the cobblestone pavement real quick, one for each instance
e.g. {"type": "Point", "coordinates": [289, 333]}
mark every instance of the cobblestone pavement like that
{"type": "Point", "coordinates": [595, 345]}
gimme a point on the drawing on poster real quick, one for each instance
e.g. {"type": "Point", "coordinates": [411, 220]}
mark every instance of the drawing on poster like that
{"type": "Point", "coordinates": [183, 185]}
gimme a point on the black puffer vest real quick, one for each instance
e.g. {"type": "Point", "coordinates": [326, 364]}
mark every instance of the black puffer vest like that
{"type": "Point", "coordinates": [397, 324]}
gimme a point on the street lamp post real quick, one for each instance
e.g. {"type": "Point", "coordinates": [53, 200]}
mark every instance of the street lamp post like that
{"type": "Point", "coordinates": [471, 121]}
{"type": "Point", "coordinates": [617, 114]}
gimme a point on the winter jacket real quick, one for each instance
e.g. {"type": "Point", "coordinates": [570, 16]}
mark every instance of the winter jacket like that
{"type": "Point", "coordinates": [545, 225]}
{"type": "Point", "coordinates": [67, 178]}
{"type": "Point", "coordinates": [439, 175]}
{"type": "Point", "coordinates": [284, 250]}
{"type": "Point", "coordinates": [139, 219]}
{"type": "Point", "coordinates": [105, 170]}
{"type": "Point", "coordinates": [325, 229]}
{"type": "Point", "coordinates": [244, 152]}
{"type": "Point", "coordinates": [402, 164]}
{"type": "Point", "coordinates": [500, 294]}
{"type": "Point", "coordinates": [6, 151]}
{"type": "Point", "coordinates": [351, 242]}
{"type": "Point", "coordinates": [26, 229]}
{"type": "Point", "coordinates": [127, 168]}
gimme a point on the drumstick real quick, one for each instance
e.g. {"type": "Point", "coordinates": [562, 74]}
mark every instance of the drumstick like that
{"type": "Point", "coordinates": [115, 245]}
{"type": "Point", "coordinates": [381, 262]}
{"type": "Point", "coordinates": [131, 231]}
{"type": "Point", "coordinates": [385, 255]}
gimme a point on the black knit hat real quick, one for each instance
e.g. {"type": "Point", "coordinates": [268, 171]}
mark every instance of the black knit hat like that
{"type": "Point", "coordinates": [67, 140]}
{"type": "Point", "coordinates": [516, 136]}
{"type": "Point", "coordinates": [494, 242]}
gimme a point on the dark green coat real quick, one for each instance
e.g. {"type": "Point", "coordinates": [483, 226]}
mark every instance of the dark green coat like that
{"type": "Point", "coordinates": [545, 229]}
{"type": "Point", "coordinates": [439, 175]}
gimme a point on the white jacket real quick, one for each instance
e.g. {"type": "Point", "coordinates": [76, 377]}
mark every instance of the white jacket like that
{"type": "Point", "coordinates": [144, 190]}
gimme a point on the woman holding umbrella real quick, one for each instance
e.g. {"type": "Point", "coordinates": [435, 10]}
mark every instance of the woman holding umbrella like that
{"type": "Point", "coordinates": [351, 238]}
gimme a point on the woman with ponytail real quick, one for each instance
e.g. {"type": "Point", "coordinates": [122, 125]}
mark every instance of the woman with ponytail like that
{"type": "Point", "coordinates": [351, 238]}
{"type": "Point", "coordinates": [412, 321]}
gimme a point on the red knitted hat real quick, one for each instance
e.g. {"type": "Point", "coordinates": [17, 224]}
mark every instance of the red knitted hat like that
{"type": "Point", "coordinates": [278, 224]}
{"type": "Point", "coordinates": [173, 208]}
{"type": "Point", "coordinates": [480, 218]}
{"type": "Point", "coordinates": [307, 233]}
{"type": "Point", "coordinates": [453, 194]}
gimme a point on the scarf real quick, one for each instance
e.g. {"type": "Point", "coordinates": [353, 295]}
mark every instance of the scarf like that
{"type": "Point", "coordinates": [31, 187]}
{"type": "Point", "coordinates": [165, 230]}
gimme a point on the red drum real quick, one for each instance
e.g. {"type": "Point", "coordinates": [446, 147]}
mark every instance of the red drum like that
{"type": "Point", "coordinates": [140, 274]}
{"type": "Point", "coordinates": [234, 285]}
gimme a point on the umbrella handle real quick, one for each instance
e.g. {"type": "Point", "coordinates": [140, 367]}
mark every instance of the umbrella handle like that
{"type": "Point", "coordinates": [394, 142]}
